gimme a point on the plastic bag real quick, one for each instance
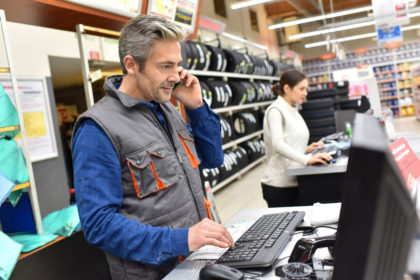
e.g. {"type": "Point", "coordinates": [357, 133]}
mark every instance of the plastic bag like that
{"type": "Point", "coordinates": [8, 260]}
{"type": "Point", "coordinates": [62, 222]}
{"type": "Point", "coordinates": [33, 241]}
{"type": "Point", "coordinates": [13, 166]}
{"type": "Point", "coordinates": [8, 115]}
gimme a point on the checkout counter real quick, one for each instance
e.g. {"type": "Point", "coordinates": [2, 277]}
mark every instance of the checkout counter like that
{"type": "Point", "coordinates": [322, 183]}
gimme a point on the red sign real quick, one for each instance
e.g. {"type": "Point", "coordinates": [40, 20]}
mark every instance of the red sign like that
{"type": "Point", "coordinates": [407, 161]}
{"type": "Point", "coordinates": [94, 55]}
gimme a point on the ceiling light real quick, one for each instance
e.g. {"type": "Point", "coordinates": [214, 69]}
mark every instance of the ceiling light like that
{"type": "Point", "coordinates": [242, 40]}
{"type": "Point", "coordinates": [356, 37]}
{"type": "Point", "coordinates": [316, 18]}
{"type": "Point", "coordinates": [341, 28]}
{"type": "Point", "coordinates": [244, 4]}
{"type": "Point", "coordinates": [331, 30]}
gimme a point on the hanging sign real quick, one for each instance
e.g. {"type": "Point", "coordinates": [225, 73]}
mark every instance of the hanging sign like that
{"type": "Point", "coordinates": [390, 12]}
{"type": "Point", "coordinates": [211, 24]}
{"type": "Point", "coordinates": [387, 34]}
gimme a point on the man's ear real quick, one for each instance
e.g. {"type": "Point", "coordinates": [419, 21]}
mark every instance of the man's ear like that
{"type": "Point", "coordinates": [130, 64]}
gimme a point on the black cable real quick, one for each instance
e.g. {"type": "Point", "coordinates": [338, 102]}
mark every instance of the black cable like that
{"type": "Point", "coordinates": [310, 230]}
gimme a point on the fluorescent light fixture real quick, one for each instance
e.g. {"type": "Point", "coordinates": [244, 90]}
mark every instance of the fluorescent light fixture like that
{"type": "Point", "coordinates": [410, 27]}
{"type": "Point", "coordinates": [331, 30]}
{"type": "Point", "coordinates": [341, 28]}
{"type": "Point", "coordinates": [244, 4]}
{"type": "Point", "coordinates": [322, 17]}
{"type": "Point", "coordinates": [242, 40]}
{"type": "Point", "coordinates": [350, 38]}
{"type": "Point", "coordinates": [356, 37]}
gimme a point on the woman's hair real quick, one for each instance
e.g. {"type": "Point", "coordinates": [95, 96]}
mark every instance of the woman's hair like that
{"type": "Point", "coordinates": [291, 78]}
{"type": "Point", "coordinates": [139, 34]}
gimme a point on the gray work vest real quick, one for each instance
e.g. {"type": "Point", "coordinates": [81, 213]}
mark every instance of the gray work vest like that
{"type": "Point", "coordinates": [160, 178]}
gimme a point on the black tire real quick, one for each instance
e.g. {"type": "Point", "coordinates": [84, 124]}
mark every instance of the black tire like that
{"type": "Point", "coordinates": [322, 122]}
{"type": "Point", "coordinates": [322, 131]}
{"type": "Point", "coordinates": [317, 104]}
{"type": "Point", "coordinates": [317, 114]}
{"type": "Point", "coordinates": [349, 104]}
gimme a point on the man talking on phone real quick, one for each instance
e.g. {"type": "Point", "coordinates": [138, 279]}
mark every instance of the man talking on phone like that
{"type": "Point", "coordinates": [137, 183]}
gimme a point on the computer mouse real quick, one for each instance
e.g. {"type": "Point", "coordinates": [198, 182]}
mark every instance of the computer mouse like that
{"type": "Point", "coordinates": [220, 272]}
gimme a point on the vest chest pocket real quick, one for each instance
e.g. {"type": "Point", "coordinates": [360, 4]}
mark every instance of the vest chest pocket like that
{"type": "Point", "coordinates": [151, 170]}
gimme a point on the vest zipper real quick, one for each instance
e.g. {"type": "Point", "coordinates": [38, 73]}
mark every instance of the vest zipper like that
{"type": "Point", "coordinates": [180, 161]}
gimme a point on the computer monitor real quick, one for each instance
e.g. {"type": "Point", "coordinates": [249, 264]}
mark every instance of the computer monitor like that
{"type": "Point", "coordinates": [378, 217]}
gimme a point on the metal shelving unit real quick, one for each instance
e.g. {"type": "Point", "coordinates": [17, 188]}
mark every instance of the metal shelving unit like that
{"type": "Point", "coordinates": [237, 175]}
{"type": "Point", "coordinates": [31, 184]}
{"type": "Point", "coordinates": [242, 139]}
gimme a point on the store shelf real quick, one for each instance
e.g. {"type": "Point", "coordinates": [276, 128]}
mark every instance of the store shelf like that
{"type": "Point", "coordinates": [232, 75]}
{"type": "Point", "coordinates": [385, 81]}
{"type": "Point", "coordinates": [242, 139]}
{"type": "Point", "coordinates": [5, 48]}
{"type": "Point", "coordinates": [9, 128]}
{"type": "Point", "coordinates": [387, 89]}
{"type": "Point", "coordinates": [21, 186]}
{"type": "Point", "coordinates": [389, 98]}
{"type": "Point", "coordinates": [384, 72]}
{"type": "Point", "coordinates": [242, 107]}
{"type": "Point", "coordinates": [237, 175]}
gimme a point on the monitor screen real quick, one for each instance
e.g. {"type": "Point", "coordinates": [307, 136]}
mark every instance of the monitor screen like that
{"type": "Point", "coordinates": [378, 217]}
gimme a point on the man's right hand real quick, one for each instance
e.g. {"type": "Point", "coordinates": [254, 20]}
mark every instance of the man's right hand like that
{"type": "Point", "coordinates": [208, 232]}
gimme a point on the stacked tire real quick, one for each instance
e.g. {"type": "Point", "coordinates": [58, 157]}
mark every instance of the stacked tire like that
{"type": "Point", "coordinates": [226, 130]}
{"type": "Point", "coordinates": [255, 149]}
{"type": "Point", "coordinates": [198, 56]}
{"type": "Point", "coordinates": [319, 117]}
{"type": "Point", "coordinates": [245, 123]}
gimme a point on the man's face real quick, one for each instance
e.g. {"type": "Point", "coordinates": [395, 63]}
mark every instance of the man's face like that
{"type": "Point", "coordinates": [157, 79]}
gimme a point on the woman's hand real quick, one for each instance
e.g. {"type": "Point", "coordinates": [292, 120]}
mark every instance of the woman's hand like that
{"type": "Point", "coordinates": [322, 158]}
{"type": "Point", "coordinates": [315, 146]}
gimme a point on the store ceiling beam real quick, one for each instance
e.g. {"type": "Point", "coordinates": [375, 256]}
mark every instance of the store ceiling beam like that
{"type": "Point", "coordinates": [298, 7]}
{"type": "Point", "coordinates": [315, 5]}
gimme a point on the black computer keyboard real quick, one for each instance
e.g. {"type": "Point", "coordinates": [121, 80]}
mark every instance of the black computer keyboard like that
{"type": "Point", "coordinates": [262, 243]}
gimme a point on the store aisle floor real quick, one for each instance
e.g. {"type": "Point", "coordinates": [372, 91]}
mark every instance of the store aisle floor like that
{"type": "Point", "coordinates": [246, 192]}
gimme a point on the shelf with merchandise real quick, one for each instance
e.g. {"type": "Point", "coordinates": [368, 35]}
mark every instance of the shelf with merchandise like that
{"type": "Point", "coordinates": [29, 181]}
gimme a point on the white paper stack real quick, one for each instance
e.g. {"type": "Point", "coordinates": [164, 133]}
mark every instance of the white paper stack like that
{"type": "Point", "coordinates": [325, 213]}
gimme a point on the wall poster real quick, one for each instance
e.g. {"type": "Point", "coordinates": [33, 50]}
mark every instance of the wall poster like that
{"type": "Point", "coordinates": [126, 8]}
{"type": "Point", "coordinates": [182, 11]}
{"type": "Point", "coordinates": [37, 116]}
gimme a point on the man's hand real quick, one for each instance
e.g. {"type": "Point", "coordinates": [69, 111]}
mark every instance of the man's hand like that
{"type": "Point", "coordinates": [208, 232]}
{"type": "Point", "coordinates": [189, 91]}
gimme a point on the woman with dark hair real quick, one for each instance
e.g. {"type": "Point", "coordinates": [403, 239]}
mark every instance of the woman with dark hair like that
{"type": "Point", "coordinates": [286, 136]}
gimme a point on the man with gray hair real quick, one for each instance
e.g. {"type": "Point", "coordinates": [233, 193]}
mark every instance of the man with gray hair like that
{"type": "Point", "coordinates": [138, 188]}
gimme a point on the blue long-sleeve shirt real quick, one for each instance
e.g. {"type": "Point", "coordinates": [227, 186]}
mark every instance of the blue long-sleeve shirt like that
{"type": "Point", "coordinates": [99, 194]}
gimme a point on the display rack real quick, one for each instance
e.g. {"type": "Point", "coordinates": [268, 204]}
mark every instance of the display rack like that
{"type": "Point", "coordinates": [415, 70]}
{"type": "Point", "coordinates": [237, 175]}
{"type": "Point", "coordinates": [392, 71]}
{"type": "Point", "coordinates": [31, 184]}
{"type": "Point", "coordinates": [395, 88]}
